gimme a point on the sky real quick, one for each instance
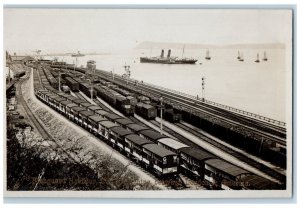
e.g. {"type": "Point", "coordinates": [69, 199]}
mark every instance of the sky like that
{"type": "Point", "coordinates": [104, 30]}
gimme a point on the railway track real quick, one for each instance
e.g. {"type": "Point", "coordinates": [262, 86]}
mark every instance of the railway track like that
{"type": "Point", "coordinates": [267, 170]}
{"type": "Point", "coordinates": [42, 131]}
{"type": "Point", "coordinates": [212, 111]}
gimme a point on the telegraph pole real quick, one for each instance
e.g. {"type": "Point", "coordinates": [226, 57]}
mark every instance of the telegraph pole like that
{"type": "Point", "coordinates": [161, 115]}
{"type": "Point", "coordinates": [127, 72]}
{"type": "Point", "coordinates": [203, 89]}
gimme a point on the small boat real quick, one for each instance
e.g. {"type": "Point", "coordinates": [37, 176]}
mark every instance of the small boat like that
{"type": "Point", "coordinates": [78, 54]}
{"type": "Point", "coordinates": [265, 57]}
{"type": "Point", "coordinates": [241, 57]}
{"type": "Point", "coordinates": [257, 59]}
{"type": "Point", "coordinates": [207, 57]}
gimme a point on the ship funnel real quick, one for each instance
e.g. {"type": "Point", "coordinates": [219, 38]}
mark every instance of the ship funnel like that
{"type": "Point", "coordinates": [162, 54]}
{"type": "Point", "coordinates": [169, 53]}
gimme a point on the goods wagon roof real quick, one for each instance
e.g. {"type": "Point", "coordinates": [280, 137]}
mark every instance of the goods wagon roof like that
{"type": "Point", "coordinates": [52, 96]}
{"type": "Point", "coordinates": [79, 101]}
{"type": "Point", "coordinates": [70, 105]}
{"type": "Point", "coordinates": [258, 182]}
{"type": "Point", "coordinates": [151, 134]}
{"type": "Point", "coordinates": [94, 107]}
{"type": "Point", "coordinates": [226, 167]}
{"type": "Point", "coordinates": [120, 131]}
{"type": "Point", "coordinates": [197, 153]}
{"type": "Point", "coordinates": [101, 112]}
{"type": "Point", "coordinates": [97, 118]}
{"type": "Point", "coordinates": [65, 102]}
{"type": "Point", "coordinates": [70, 97]}
{"type": "Point", "coordinates": [85, 104]}
{"type": "Point", "coordinates": [108, 124]}
{"type": "Point", "coordinates": [112, 116]}
{"type": "Point", "coordinates": [86, 113]}
{"type": "Point", "coordinates": [137, 139]}
{"type": "Point", "coordinates": [172, 143]}
{"type": "Point", "coordinates": [124, 121]}
{"type": "Point", "coordinates": [59, 99]}
{"type": "Point", "coordinates": [158, 150]}
{"type": "Point", "coordinates": [136, 127]}
{"type": "Point", "coordinates": [77, 108]}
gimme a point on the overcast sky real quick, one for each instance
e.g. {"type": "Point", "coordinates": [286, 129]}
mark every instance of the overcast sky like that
{"type": "Point", "coordinates": [67, 30]}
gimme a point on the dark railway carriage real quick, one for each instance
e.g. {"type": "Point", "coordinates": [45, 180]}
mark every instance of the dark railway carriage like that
{"type": "Point", "coordinates": [105, 127]}
{"type": "Point", "coordinates": [75, 112]}
{"type": "Point", "coordinates": [115, 99]}
{"type": "Point", "coordinates": [151, 135]}
{"type": "Point", "coordinates": [51, 99]}
{"type": "Point", "coordinates": [123, 122]}
{"type": "Point", "coordinates": [134, 146]}
{"type": "Point", "coordinates": [86, 89]}
{"type": "Point", "coordinates": [192, 161]}
{"type": "Point", "coordinates": [117, 136]}
{"type": "Point", "coordinates": [223, 175]}
{"type": "Point", "coordinates": [63, 106]}
{"type": "Point", "coordinates": [171, 116]}
{"type": "Point", "coordinates": [146, 111]}
{"type": "Point", "coordinates": [93, 124]}
{"type": "Point", "coordinates": [57, 102]}
{"type": "Point", "coordinates": [163, 161]}
{"type": "Point", "coordinates": [83, 116]}
{"type": "Point", "coordinates": [68, 110]}
{"type": "Point", "coordinates": [72, 84]}
{"type": "Point", "coordinates": [136, 128]}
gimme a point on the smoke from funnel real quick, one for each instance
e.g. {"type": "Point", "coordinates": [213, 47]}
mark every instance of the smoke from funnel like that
{"type": "Point", "coordinates": [169, 53]}
{"type": "Point", "coordinates": [162, 54]}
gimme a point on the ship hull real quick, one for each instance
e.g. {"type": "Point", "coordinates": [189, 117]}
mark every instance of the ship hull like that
{"type": "Point", "coordinates": [167, 61]}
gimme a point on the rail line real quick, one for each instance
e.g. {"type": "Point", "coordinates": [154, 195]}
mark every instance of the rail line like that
{"type": "Point", "coordinates": [208, 109]}
{"type": "Point", "coordinates": [265, 169]}
{"type": "Point", "coordinates": [42, 131]}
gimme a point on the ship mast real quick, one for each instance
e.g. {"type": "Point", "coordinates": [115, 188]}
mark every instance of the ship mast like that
{"type": "Point", "coordinates": [183, 51]}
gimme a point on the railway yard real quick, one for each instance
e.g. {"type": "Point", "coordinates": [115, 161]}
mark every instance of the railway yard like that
{"type": "Point", "coordinates": [196, 144]}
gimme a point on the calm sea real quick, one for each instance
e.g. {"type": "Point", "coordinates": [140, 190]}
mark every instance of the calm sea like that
{"type": "Point", "coordinates": [254, 87]}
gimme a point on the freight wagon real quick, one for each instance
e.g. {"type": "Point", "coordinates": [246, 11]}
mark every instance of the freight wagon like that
{"type": "Point", "coordinates": [146, 111]}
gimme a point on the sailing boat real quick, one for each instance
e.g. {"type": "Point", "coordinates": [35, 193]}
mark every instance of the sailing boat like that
{"type": "Point", "coordinates": [265, 57]}
{"type": "Point", "coordinates": [207, 55]}
{"type": "Point", "coordinates": [239, 55]}
{"type": "Point", "coordinates": [241, 58]}
{"type": "Point", "coordinates": [257, 59]}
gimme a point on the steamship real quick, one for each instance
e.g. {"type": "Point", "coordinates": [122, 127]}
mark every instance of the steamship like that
{"type": "Point", "coordinates": [167, 60]}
